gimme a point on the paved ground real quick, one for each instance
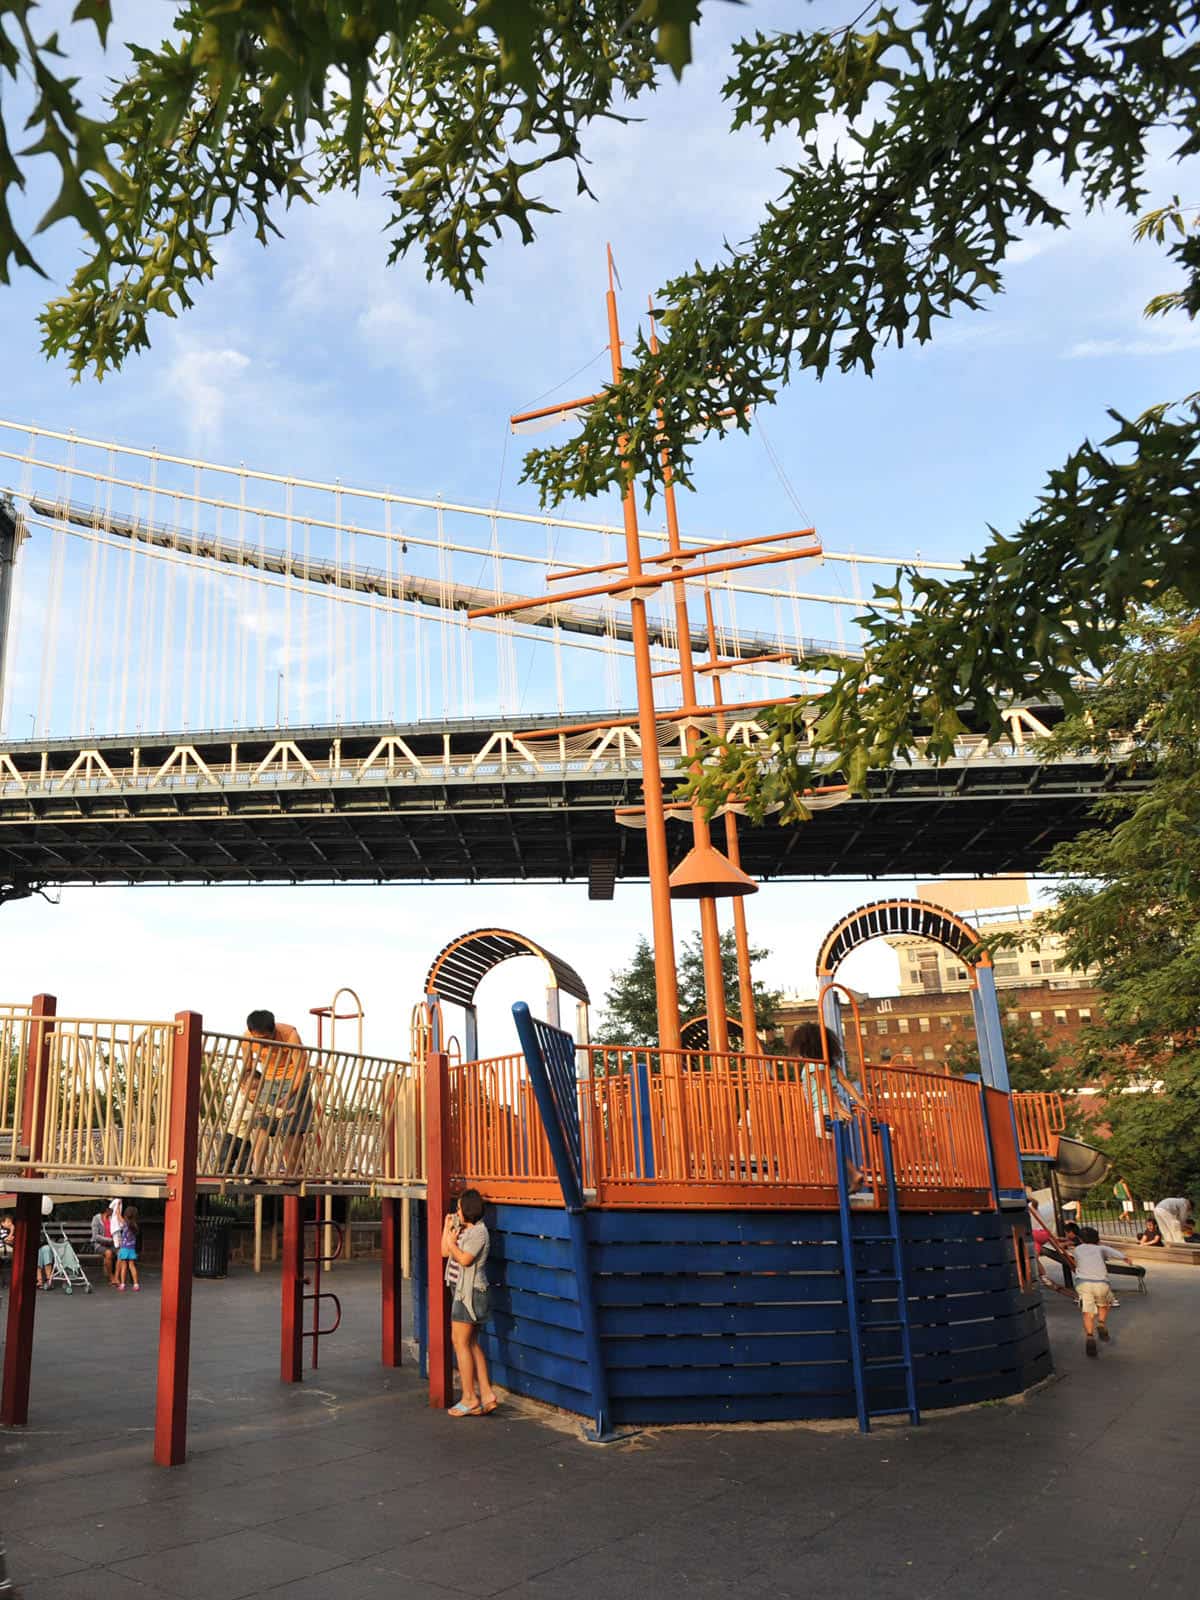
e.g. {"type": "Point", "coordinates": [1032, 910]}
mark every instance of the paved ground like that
{"type": "Point", "coordinates": [349, 1488]}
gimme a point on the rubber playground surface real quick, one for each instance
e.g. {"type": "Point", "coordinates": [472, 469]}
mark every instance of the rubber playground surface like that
{"type": "Point", "coordinates": [349, 1488]}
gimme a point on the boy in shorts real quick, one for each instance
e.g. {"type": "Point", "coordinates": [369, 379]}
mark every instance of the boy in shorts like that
{"type": "Point", "coordinates": [1092, 1285]}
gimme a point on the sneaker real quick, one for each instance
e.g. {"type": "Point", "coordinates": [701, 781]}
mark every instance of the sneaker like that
{"type": "Point", "coordinates": [121, 1290]}
{"type": "Point", "coordinates": [137, 1289]}
{"type": "Point", "coordinates": [1091, 1347]}
{"type": "Point", "coordinates": [1104, 1333]}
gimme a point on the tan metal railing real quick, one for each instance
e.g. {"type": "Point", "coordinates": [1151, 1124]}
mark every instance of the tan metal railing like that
{"type": "Point", "coordinates": [104, 1108]}
{"type": "Point", "coordinates": [288, 1113]}
{"type": "Point", "coordinates": [14, 1053]}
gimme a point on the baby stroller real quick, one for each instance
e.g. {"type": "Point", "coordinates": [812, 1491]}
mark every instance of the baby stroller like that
{"type": "Point", "coordinates": [66, 1268]}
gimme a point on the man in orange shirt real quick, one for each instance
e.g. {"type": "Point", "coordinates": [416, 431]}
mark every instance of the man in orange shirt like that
{"type": "Point", "coordinates": [277, 1051]}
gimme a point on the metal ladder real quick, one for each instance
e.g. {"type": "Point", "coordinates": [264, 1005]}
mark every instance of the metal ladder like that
{"type": "Point", "coordinates": [860, 1278]}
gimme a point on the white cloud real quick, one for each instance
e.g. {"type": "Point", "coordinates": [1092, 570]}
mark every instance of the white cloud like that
{"type": "Point", "coordinates": [1156, 340]}
{"type": "Point", "coordinates": [204, 381]}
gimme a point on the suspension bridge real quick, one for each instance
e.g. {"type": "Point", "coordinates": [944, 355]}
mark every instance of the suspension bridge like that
{"type": "Point", "coordinates": [214, 674]}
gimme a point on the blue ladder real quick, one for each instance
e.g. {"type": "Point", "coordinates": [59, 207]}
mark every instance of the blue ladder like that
{"type": "Point", "coordinates": [858, 1277]}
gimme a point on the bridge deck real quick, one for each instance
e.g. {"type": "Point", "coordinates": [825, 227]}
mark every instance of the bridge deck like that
{"type": "Point", "coordinates": [469, 801]}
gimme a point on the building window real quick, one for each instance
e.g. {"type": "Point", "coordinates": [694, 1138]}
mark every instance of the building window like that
{"type": "Point", "coordinates": [961, 974]}
{"type": "Point", "coordinates": [923, 1024]}
{"type": "Point", "coordinates": [947, 1021]}
{"type": "Point", "coordinates": [1035, 1019]}
{"type": "Point", "coordinates": [880, 1026]}
{"type": "Point", "coordinates": [927, 1053]}
{"type": "Point", "coordinates": [902, 1024]}
{"type": "Point", "coordinates": [1060, 1018]}
{"type": "Point", "coordinates": [1085, 1014]}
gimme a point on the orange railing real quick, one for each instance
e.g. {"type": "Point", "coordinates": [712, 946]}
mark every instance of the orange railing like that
{"type": "Point", "coordinates": [703, 1128]}
{"type": "Point", "coordinates": [697, 1128]}
{"type": "Point", "coordinates": [1041, 1117]}
{"type": "Point", "coordinates": [939, 1140]}
{"type": "Point", "coordinates": [497, 1139]}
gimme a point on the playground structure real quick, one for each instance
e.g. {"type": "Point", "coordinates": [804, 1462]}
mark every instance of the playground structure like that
{"type": "Point", "coordinates": [673, 1238]}
{"type": "Point", "coordinates": [674, 1232]}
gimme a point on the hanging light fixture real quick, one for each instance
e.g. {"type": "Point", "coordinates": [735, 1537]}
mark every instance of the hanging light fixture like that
{"type": "Point", "coordinates": [705, 874]}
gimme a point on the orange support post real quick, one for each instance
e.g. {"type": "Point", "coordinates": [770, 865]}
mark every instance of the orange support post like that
{"type": "Point", "coordinates": [1002, 1133]}
{"type": "Point", "coordinates": [291, 1344]}
{"type": "Point", "coordinates": [393, 1282]}
{"type": "Point", "coordinates": [179, 1228]}
{"type": "Point", "coordinates": [27, 1224]}
{"type": "Point", "coordinates": [437, 1203]}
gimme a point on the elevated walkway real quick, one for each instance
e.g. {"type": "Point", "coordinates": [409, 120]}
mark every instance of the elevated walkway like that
{"type": "Point", "coordinates": [85, 1108]}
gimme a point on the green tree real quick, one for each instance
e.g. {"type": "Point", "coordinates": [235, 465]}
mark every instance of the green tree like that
{"type": "Point", "coordinates": [630, 1015]}
{"type": "Point", "coordinates": [1131, 902]}
{"type": "Point", "coordinates": [1031, 1062]}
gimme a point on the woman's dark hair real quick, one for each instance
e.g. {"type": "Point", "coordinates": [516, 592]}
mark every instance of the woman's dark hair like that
{"type": "Point", "coordinates": [1073, 1227]}
{"type": "Point", "coordinates": [471, 1204]}
{"type": "Point", "coordinates": [261, 1022]}
{"type": "Point", "coordinates": [1089, 1236]}
{"type": "Point", "coordinates": [130, 1214]}
{"type": "Point", "coordinates": [806, 1043]}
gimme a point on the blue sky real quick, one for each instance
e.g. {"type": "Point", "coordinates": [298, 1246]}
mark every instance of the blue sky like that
{"type": "Point", "coordinates": [312, 357]}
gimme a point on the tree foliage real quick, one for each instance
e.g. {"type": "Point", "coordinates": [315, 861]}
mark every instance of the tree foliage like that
{"type": "Point", "coordinates": [630, 1015]}
{"type": "Point", "coordinates": [252, 105]}
{"type": "Point", "coordinates": [1130, 905]}
{"type": "Point", "coordinates": [1032, 1065]}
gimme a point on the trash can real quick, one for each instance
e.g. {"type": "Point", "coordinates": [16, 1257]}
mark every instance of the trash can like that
{"type": "Point", "coordinates": [210, 1252]}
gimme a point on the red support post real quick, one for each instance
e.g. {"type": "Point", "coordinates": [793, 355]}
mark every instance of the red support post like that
{"type": "Point", "coordinates": [393, 1260]}
{"type": "Point", "coordinates": [27, 1222]}
{"type": "Point", "coordinates": [291, 1344]}
{"type": "Point", "coordinates": [437, 1203]}
{"type": "Point", "coordinates": [179, 1230]}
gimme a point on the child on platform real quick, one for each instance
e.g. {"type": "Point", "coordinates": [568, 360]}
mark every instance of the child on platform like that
{"type": "Point", "coordinates": [1090, 1262]}
{"type": "Point", "coordinates": [127, 1255]}
{"type": "Point", "coordinates": [237, 1145]}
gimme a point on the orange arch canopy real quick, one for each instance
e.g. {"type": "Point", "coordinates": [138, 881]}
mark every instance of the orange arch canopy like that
{"type": "Point", "coordinates": [458, 970]}
{"type": "Point", "coordinates": [916, 918]}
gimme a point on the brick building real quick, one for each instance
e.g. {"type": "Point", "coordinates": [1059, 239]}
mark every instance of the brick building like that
{"type": "Point", "coordinates": [922, 1027]}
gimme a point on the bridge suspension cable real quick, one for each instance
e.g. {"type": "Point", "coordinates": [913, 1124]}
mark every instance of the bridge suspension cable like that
{"type": "Point", "coordinates": [157, 591]}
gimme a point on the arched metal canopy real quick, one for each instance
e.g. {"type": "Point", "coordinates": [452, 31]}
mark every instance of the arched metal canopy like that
{"type": "Point", "coordinates": [918, 919]}
{"type": "Point", "coordinates": [458, 970]}
{"type": "Point", "coordinates": [693, 1035]}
